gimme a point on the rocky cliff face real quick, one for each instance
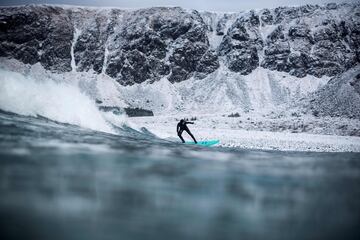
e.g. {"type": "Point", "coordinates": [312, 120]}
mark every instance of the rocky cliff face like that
{"type": "Point", "coordinates": [37, 34]}
{"type": "Point", "coordinates": [340, 97]}
{"type": "Point", "coordinates": [148, 44]}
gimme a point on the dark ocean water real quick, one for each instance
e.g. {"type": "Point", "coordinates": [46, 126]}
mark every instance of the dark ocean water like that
{"type": "Point", "coordinates": [60, 181]}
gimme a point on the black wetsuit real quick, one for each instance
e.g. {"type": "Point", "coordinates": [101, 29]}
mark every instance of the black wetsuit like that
{"type": "Point", "coordinates": [181, 126]}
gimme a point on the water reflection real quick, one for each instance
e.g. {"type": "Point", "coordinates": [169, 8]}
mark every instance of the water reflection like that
{"type": "Point", "coordinates": [61, 182]}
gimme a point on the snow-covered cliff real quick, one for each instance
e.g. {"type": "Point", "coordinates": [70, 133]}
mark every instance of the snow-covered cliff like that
{"type": "Point", "coordinates": [148, 44]}
{"type": "Point", "coordinates": [171, 59]}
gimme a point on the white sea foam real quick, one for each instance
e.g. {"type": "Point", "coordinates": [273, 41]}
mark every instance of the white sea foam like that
{"type": "Point", "coordinates": [61, 102]}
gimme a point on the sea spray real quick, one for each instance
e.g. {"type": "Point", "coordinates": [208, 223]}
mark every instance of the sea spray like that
{"type": "Point", "coordinates": [60, 102]}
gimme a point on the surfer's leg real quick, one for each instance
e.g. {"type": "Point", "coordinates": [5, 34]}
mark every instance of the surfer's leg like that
{"type": "Point", "coordinates": [179, 134]}
{"type": "Point", "coordinates": [192, 136]}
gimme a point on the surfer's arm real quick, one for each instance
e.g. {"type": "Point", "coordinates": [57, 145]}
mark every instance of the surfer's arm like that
{"type": "Point", "coordinates": [189, 122]}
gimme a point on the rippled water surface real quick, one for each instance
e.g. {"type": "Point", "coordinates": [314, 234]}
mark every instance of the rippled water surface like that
{"type": "Point", "coordinates": [62, 182]}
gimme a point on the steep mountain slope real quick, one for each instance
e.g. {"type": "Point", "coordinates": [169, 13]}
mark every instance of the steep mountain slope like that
{"type": "Point", "coordinates": [340, 97]}
{"type": "Point", "coordinates": [149, 44]}
{"type": "Point", "coordinates": [171, 60]}
{"type": "Point", "coordinates": [262, 90]}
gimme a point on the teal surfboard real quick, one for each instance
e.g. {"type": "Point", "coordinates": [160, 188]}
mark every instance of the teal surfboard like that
{"type": "Point", "coordinates": [207, 143]}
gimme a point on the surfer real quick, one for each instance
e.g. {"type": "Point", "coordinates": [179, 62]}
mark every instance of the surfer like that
{"type": "Point", "coordinates": [181, 126]}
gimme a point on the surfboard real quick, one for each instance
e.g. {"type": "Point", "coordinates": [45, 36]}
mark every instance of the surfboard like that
{"type": "Point", "coordinates": [206, 143]}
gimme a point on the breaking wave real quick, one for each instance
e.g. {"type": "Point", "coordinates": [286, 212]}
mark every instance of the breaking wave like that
{"type": "Point", "coordinates": [62, 102]}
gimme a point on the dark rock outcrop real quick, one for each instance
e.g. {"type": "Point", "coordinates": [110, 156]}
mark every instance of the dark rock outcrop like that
{"type": "Point", "coordinates": [327, 49]}
{"type": "Point", "coordinates": [138, 112]}
{"type": "Point", "coordinates": [241, 44]}
{"type": "Point", "coordinates": [37, 34]}
{"type": "Point", "coordinates": [170, 41]}
{"type": "Point", "coordinates": [90, 41]}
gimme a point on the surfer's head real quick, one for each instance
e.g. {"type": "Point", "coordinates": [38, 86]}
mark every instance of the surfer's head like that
{"type": "Point", "coordinates": [182, 121]}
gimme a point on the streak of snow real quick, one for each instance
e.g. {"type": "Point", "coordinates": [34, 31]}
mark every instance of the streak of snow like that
{"type": "Point", "coordinates": [77, 34]}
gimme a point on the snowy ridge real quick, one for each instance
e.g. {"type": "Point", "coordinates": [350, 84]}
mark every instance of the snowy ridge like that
{"type": "Point", "coordinates": [222, 92]}
{"type": "Point", "coordinates": [212, 20]}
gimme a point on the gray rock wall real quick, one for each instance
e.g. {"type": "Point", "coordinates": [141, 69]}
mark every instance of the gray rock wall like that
{"type": "Point", "coordinates": [340, 97]}
{"type": "Point", "coordinates": [148, 44]}
{"type": "Point", "coordinates": [37, 34]}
